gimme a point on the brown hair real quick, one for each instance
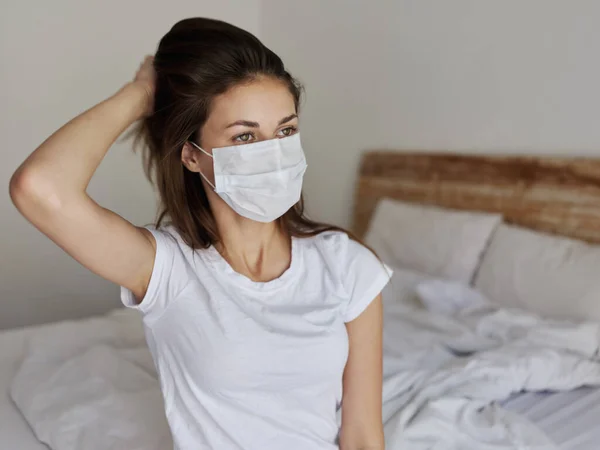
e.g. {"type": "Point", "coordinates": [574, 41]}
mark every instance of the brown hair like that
{"type": "Point", "coordinates": [197, 60]}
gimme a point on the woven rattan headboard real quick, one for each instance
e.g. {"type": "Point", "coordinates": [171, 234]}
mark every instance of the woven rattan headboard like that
{"type": "Point", "coordinates": [557, 195]}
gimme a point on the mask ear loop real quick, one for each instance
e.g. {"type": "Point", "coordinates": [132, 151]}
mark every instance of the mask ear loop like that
{"type": "Point", "coordinates": [207, 154]}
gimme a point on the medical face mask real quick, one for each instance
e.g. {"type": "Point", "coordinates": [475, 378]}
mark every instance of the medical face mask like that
{"type": "Point", "coordinates": [261, 180]}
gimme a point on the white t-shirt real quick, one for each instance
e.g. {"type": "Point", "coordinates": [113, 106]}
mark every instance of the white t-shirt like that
{"type": "Point", "coordinates": [249, 365]}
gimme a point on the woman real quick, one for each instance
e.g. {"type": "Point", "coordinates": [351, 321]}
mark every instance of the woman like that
{"type": "Point", "coordinates": [259, 320]}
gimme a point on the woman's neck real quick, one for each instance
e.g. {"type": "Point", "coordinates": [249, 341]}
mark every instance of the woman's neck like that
{"type": "Point", "coordinates": [260, 251]}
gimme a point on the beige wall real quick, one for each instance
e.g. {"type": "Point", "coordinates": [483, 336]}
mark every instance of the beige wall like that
{"type": "Point", "coordinates": [57, 59]}
{"type": "Point", "coordinates": [483, 76]}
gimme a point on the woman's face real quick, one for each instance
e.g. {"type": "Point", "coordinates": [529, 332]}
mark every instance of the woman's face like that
{"type": "Point", "coordinates": [260, 110]}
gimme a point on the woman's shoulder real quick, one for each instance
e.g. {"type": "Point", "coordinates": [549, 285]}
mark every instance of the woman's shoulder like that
{"type": "Point", "coordinates": [166, 235]}
{"type": "Point", "coordinates": [169, 241]}
{"type": "Point", "coordinates": [337, 248]}
{"type": "Point", "coordinates": [170, 235]}
{"type": "Point", "coordinates": [352, 267]}
{"type": "Point", "coordinates": [326, 242]}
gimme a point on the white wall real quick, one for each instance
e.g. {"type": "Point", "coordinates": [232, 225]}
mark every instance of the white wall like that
{"type": "Point", "coordinates": [481, 76]}
{"type": "Point", "coordinates": [57, 59]}
{"type": "Point", "coordinates": [506, 76]}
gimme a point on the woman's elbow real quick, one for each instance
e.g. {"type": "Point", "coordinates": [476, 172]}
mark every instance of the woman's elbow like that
{"type": "Point", "coordinates": [30, 191]}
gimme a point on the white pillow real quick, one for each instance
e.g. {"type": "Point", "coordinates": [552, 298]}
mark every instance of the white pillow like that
{"type": "Point", "coordinates": [549, 275]}
{"type": "Point", "coordinates": [439, 242]}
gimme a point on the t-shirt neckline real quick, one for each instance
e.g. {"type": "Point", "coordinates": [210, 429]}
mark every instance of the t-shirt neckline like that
{"type": "Point", "coordinates": [220, 265]}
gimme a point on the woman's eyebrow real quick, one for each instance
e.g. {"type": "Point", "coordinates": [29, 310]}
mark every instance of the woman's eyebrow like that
{"type": "Point", "coordinates": [287, 119]}
{"type": "Point", "coordinates": [249, 123]}
{"type": "Point", "coordinates": [246, 123]}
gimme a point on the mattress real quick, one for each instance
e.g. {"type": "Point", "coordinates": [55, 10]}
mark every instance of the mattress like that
{"type": "Point", "coordinates": [569, 418]}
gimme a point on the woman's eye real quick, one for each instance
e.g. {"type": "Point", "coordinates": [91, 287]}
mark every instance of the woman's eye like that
{"type": "Point", "coordinates": [243, 137]}
{"type": "Point", "coordinates": [287, 131]}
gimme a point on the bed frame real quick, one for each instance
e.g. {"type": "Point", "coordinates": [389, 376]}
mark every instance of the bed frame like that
{"type": "Point", "coordinates": [555, 195]}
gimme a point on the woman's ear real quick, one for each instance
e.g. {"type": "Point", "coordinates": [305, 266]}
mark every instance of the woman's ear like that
{"type": "Point", "coordinates": [190, 157]}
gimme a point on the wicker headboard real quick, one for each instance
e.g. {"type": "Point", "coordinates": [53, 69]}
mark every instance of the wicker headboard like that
{"type": "Point", "coordinates": [556, 195]}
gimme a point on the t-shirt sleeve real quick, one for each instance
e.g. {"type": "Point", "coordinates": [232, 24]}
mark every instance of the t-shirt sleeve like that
{"type": "Point", "coordinates": [166, 280]}
{"type": "Point", "coordinates": [365, 277]}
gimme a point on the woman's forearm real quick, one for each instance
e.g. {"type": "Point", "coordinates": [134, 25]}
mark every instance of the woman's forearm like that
{"type": "Point", "coordinates": [63, 164]}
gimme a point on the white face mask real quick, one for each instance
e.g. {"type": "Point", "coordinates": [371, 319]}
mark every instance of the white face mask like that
{"type": "Point", "coordinates": [261, 180]}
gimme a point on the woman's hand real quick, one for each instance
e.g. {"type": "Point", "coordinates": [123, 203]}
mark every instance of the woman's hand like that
{"type": "Point", "coordinates": [145, 78]}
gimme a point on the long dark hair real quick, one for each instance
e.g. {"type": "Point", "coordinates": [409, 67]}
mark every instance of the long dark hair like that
{"type": "Point", "coordinates": [197, 60]}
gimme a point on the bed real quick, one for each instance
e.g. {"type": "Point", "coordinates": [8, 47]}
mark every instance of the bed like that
{"type": "Point", "coordinates": [560, 196]}
{"type": "Point", "coordinates": [553, 195]}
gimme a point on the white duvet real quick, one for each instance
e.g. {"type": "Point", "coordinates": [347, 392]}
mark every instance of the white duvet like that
{"type": "Point", "coordinates": [92, 385]}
